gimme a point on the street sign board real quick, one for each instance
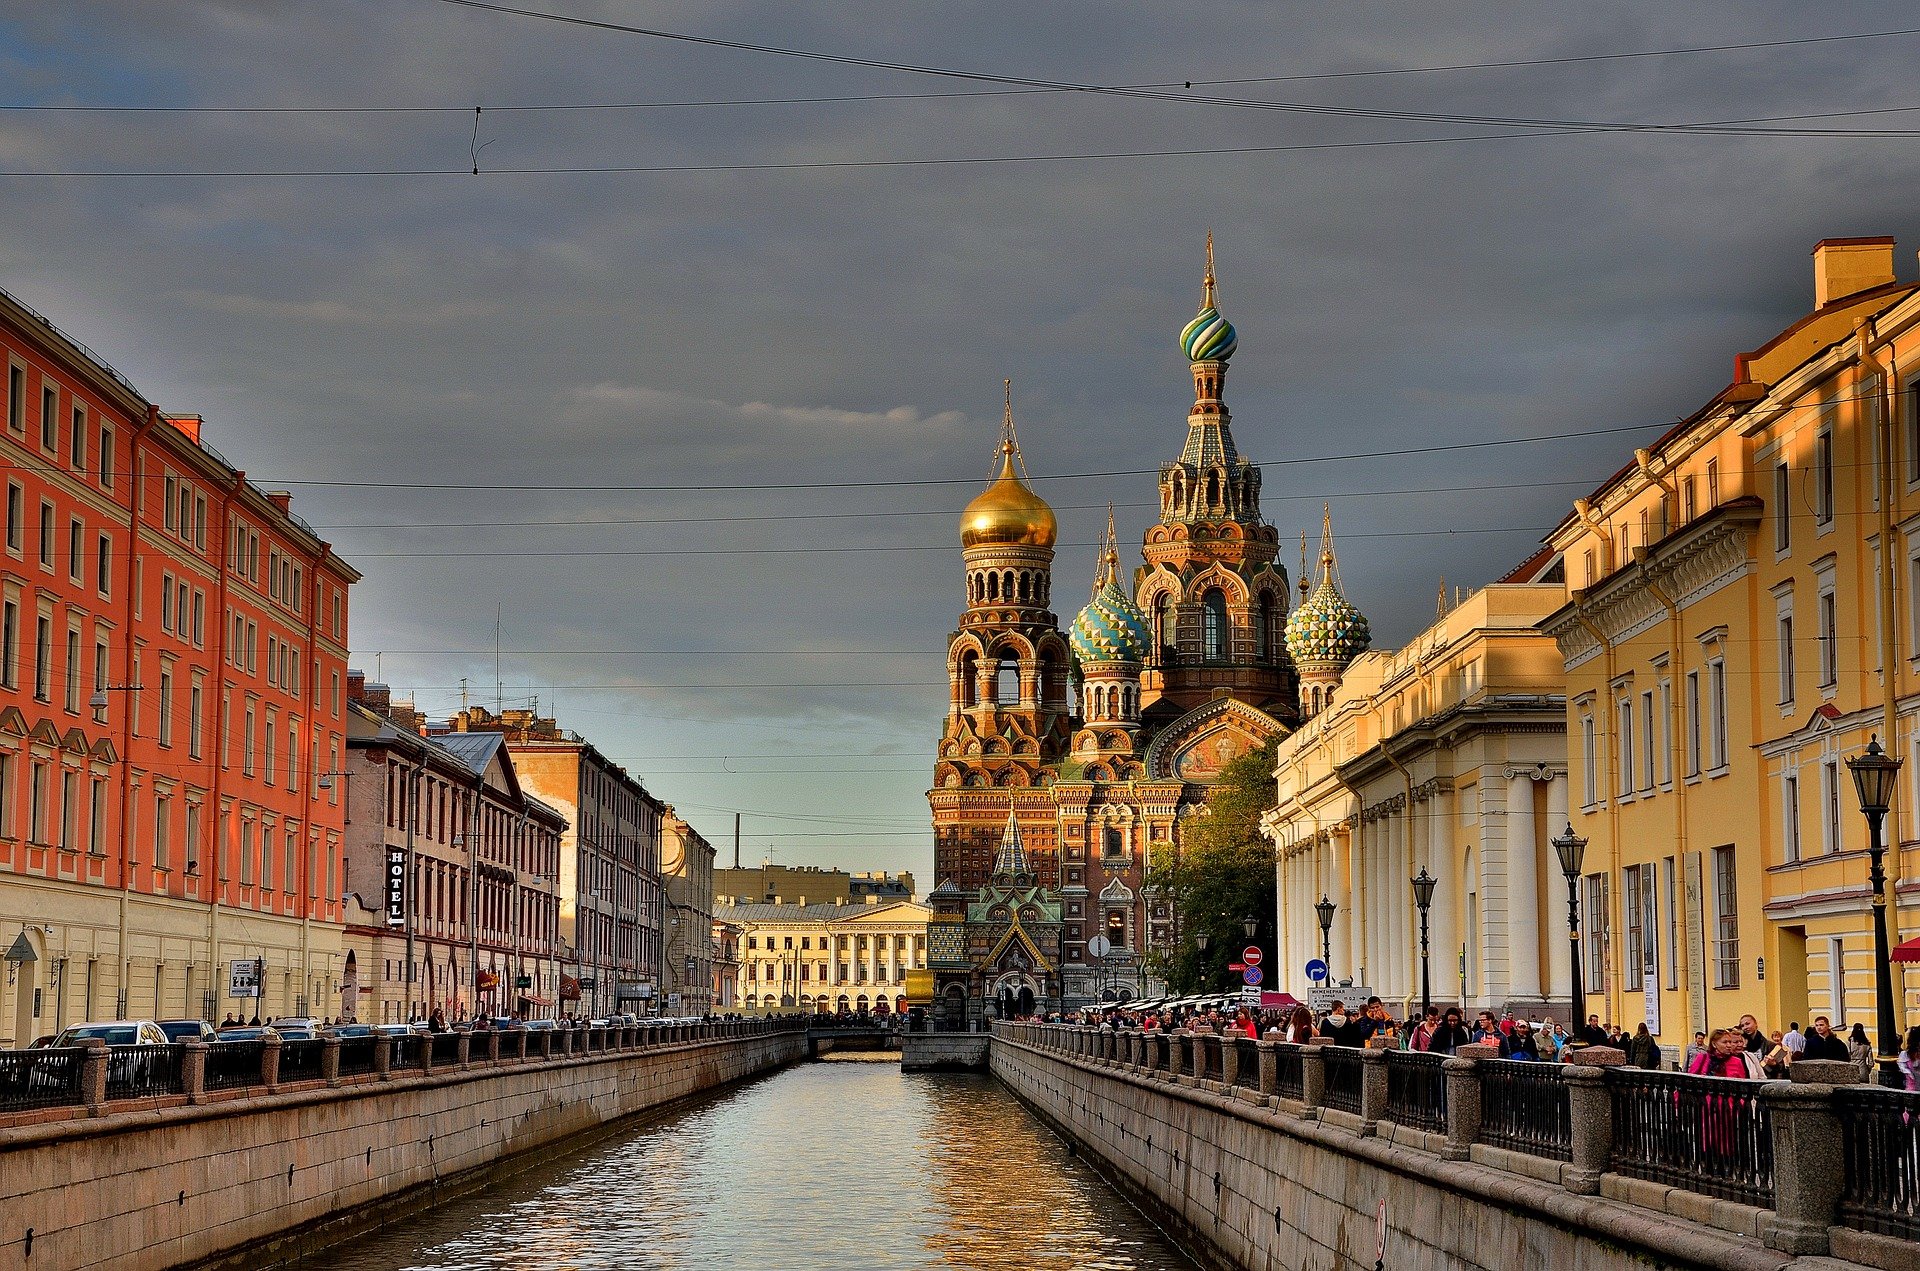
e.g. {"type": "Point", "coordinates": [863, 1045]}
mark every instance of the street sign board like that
{"type": "Point", "coordinates": [1236, 966]}
{"type": "Point", "coordinates": [1252, 975]}
{"type": "Point", "coordinates": [1324, 996]}
{"type": "Point", "coordinates": [396, 886]}
{"type": "Point", "coordinates": [1316, 970]}
{"type": "Point", "coordinates": [1099, 947]}
{"type": "Point", "coordinates": [243, 978]}
{"type": "Point", "coordinates": [1250, 996]}
{"type": "Point", "coordinates": [1251, 955]}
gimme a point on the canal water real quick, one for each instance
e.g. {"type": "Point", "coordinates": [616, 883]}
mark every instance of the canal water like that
{"type": "Point", "coordinates": [850, 1166]}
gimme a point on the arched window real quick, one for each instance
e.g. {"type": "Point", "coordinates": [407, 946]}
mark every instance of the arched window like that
{"type": "Point", "coordinates": [1006, 682]}
{"type": "Point", "coordinates": [993, 586]}
{"type": "Point", "coordinates": [969, 680]}
{"type": "Point", "coordinates": [1213, 489]}
{"type": "Point", "coordinates": [1214, 626]}
{"type": "Point", "coordinates": [1267, 631]}
{"type": "Point", "coordinates": [1023, 585]}
{"type": "Point", "coordinates": [1160, 631]}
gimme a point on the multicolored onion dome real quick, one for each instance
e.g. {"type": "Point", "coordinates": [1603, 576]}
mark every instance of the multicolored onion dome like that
{"type": "Point", "coordinates": [1326, 629]}
{"type": "Point", "coordinates": [1008, 512]}
{"type": "Point", "coordinates": [1110, 628]}
{"type": "Point", "coordinates": [1209, 337]}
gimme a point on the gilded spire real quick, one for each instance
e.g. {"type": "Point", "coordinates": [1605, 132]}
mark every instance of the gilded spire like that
{"type": "Point", "coordinates": [1326, 543]}
{"type": "Point", "coordinates": [1109, 569]}
{"type": "Point", "coordinates": [1207, 301]}
{"type": "Point", "coordinates": [1008, 454]}
{"type": "Point", "coordinates": [1306, 579]}
{"type": "Point", "coordinates": [1007, 511]}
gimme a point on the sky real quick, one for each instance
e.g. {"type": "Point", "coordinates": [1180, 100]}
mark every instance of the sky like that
{"type": "Point", "coordinates": [693, 436]}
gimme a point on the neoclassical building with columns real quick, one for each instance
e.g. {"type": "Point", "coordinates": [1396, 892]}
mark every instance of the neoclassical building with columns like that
{"type": "Point", "coordinates": [1447, 755]}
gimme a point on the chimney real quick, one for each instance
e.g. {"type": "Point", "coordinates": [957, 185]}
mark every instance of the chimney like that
{"type": "Point", "coordinates": [281, 499]}
{"type": "Point", "coordinates": [356, 686]}
{"type": "Point", "coordinates": [1845, 267]}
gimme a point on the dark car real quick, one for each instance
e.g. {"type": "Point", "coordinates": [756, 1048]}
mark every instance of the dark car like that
{"type": "Point", "coordinates": [187, 1030]}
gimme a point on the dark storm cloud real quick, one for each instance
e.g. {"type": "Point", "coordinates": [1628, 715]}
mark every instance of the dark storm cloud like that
{"type": "Point", "coordinates": [730, 329]}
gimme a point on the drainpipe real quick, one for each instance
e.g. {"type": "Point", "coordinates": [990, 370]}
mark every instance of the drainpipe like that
{"type": "Point", "coordinates": [135, 451]}
{"type": "Point", "coordinates": [1645, 460]}
{"type": "Point", "coordinates": [1607, 774]}
{"type": "Point", "coordinates": [1406, 780]}
{"type": "Point", "coordinates": [1889, 651]}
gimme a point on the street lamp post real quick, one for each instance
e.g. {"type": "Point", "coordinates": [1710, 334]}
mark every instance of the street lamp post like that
{"type": "Point", "coordinates": [1572, 850]}
{"type": "Point", "coordinates": [1423, 885]}
{"type": "Point", "coordinates": [1873, 777]}
{"type": "Point", "coordinates": [1324, 912]}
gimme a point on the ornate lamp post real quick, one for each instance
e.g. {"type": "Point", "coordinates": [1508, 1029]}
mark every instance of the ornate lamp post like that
{"type": "Point", "coordinates": [1572, 850]}
{"type": "Point", "coordinates": [1423, 885]}
{"type": "Point", "coordinates": [1251, 926]}
{"type": "Point", "coordinates": [1873, 777]}
{"type": "Point", "coordinates": [1324, 911]}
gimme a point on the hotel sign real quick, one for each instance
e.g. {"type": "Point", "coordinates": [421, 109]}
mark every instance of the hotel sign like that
{"type": "Point", "coordinates": [396, 887]}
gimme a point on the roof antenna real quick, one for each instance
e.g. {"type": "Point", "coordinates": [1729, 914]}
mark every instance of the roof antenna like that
{"type": "Point", "coordinates": [497, 705]}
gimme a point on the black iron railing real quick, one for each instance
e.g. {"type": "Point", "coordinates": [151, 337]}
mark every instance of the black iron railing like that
{"type": "Point", "coordinates": [143, 1072]}
{"type": "Point", "coordinates": [1288, 1079]}
{"type": "Point", "coordinates": [356, 1055]}
{"type": "Point", "coordinates": [404, 1050]}
{"type": "Point", "coordinates": [40, 1078]}
{"type": "Point", "coordinates": [446, 1049]}
{"type": "Point", "coordinates": [1416, 1090]}
{"type": "Point", "coordinates": [1345, 1075]}
{"type": "Point", "coordinates": [1711, 1135]}
{"type": "Point", "coordinates": [1206, 1054]}
{"type": "Point", "coordinates": [231, 1065]}
{"type": "Point", "coordinates": [1880, 1136]}
{"type": "Point", "coordinates": [300, 1060]}
{"type": "Point", "coordinates": [1524, 1108]}
{"type": "Point", "coordinates": [1248, 1072]}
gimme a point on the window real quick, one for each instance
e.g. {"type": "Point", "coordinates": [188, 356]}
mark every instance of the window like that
{"type": "Point", "coordinates": [78, 439]}
{"type": "Point", "coordinates": [100, 673]}
{"type": "Point", "coordinates": [199, 619]}
{"type": "Point", "coordinates": [267, 765]}
{"type": "Point", "coordinates": [46, 534]}
{"type": "Point", "coordinates": [1830, 840]}
{"type": "Point", "coordinates": [1717, 711]}
{"type": "Point", "coordinates": [103, 566]}
{"type": "Point", "coordinates": [1595, 927]}
{"type": "Point", "coordinates": [97, 822]}
{"type": "Point", "coordinates": [37, 805]}
{"type": "Point", "coordinates": [16, 400]}
{"type": "Point", "coordinates": [1913, 432]}
{"type": "Point", "coordinates": [106, 458]}
{"type": "Point", "coordinates": [1713, 484]}
{"type": "Point", "coordinates": [166, 603]}
{"type": "Point", "coordinates": [162, 829]}
{"type": "Point", "coordinates": [191, 840]}
{"type": "Point", "coordinates": [1829, 641]}
{"type": "Point", "coordinates": [172, 500]}
{"type": "Point", "coordinates": [1213, 608]}
{"type": "Point", "coordinates": [1726, 911]}
{"type": "Point", "coordinates": [1646, 740]}
{"type": "Point", "coordinates": [73, 671]}
{"type": "Point", "coordinates": [76, 551]}
{"type": "Point", "coordinates": [1589, 763]}
{"type": "Point", "coordinates": [196, 710]}
{"type": "Point", "coordinates": [1689, 500]}
{"type": "Point", "coordinates": [6, 794]}
{"type": "Point", "coordinates": [1790, 817]}
{"type": "Point", "coordinates": [69, 811]}
{"type": "Point", "coordinates": [16, 517]}
{"type": "Point", "coordinates": [50, 419]}
{"type": "Point", "coordinates": [1786, 659]}
{"type": "Point", "coordinates": [246, 852]}
{"type": "Point", "coordinates": [1625, 707]}
{"type": "Point", "coordinates": [1782, 508]}
{"type": "Point", "coordinates": [43, 659]}
{"type": "Point", "coordinates": [166, 706]}
{"type": "Point", "coordinates": [1630, 895]}
{"type": "Point", "coordinates": [290, 863]}
{"type": "Point", "coordinates": [1666, 732]}
{"type": "Point", "coordinates": [1823, 478]}
{"type": "Point", "coordinates": [246, 744]}
{"type": "Point", "coordinates": [9, 645]}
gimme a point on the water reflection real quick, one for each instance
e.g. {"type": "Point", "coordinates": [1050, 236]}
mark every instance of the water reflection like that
{"type": "Point", "coordinates": [819, 1166]}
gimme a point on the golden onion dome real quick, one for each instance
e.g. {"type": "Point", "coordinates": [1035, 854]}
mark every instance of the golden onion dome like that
{"type": "Point", "coordinates": [1008, 512]}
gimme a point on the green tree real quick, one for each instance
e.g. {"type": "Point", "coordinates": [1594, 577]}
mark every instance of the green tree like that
{"type": "Point", "coordinates": [1222, 875]}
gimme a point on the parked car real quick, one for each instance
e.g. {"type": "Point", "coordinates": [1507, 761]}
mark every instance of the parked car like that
{"type": "Point", "coordinates": [187, 1030]}
{"type": "Point", "coordinates": [249, 1033]}
{"type": "Point", "coordinates": [296, 1022]}
{"type": "Point", "coordinates": [115, 1032]}
{"type": "Point", "coordinates": [354, 1030]}
{"type": "Point", "coordinates": [541, 1025]}
{"type": "Point", "coordinates": [291, 1034]}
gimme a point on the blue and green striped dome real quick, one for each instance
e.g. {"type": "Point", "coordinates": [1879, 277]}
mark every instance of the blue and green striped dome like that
{"type": "Point", "coordinates": [1110, 628]}
{"type": "Point", "coordinates": [1209, 337]}
{"type": "Point", "coordinates": [1327, 629]}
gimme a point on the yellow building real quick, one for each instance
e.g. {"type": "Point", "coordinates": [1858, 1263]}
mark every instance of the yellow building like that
{"type": "Point", "coordinates": [1448, 756]}
{"type": "Point", "coordinates": [1736, 591]}
{"type": "Point", "coordinates": [836, 956]}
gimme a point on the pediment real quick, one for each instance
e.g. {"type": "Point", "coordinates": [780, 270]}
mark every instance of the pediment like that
{"type": "Point", "coordinates": [1196, 746]}
{"type": "Point", "coordinates": [12, 722]}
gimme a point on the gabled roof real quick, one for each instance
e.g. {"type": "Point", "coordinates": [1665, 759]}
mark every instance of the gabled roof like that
{"type": "Point", "coordinates": [1013, 933]}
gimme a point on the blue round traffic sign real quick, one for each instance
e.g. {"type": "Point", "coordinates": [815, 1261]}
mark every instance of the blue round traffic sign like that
{"type": "Point", "coordinates": [1316, 970]}
{"type": "Point", "coordinates": [1251, 975]}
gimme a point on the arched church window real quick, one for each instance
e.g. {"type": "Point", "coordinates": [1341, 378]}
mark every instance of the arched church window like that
{"type": "Point", "coordinates": [1160, 631]}
{"type": "Point", "coordinates": [1214, 625]}
{"type": "Point", "coordinates": [1267, 632]}
{"type": "Point", "coordinates": [993, 586]}
{"type": "Point", "coordinates": [969, 680]}
{"type": "Point", "coordinates": [1006, 682]}
{"type": "Point", "coordinates": [1113, 841]}
{"type": "Point", "coordinates": [1213, 489]}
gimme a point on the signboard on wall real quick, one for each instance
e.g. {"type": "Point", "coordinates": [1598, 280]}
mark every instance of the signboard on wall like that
{"type": "Point", "coordinates": [1696, 943]}
{"type": "Point", "coordinates": [396, 886]}
{"type": "Point", "coordinates": [243, 977]}
{"type": "Point", "coordinates": [1650, 948]}
{"type": "Point", "coordinates": [1320, 998]}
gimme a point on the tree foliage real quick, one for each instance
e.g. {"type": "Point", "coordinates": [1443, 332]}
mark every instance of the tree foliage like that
{"type": "Point", "coordinates": [1222, 875]}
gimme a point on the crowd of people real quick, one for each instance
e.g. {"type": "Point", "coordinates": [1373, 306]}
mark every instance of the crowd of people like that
{"type": "Point", "coordinates": [1744, 1050]}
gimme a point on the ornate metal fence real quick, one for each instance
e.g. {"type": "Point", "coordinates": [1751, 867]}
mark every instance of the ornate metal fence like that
{"type": "Point", "coordinates": [1416, 1090]}
{"type": "Point", "coordinates": [1711, 1135]}
{"type": "Point", "coordinates": [1880, 1137]}
{"type": "Point", "coordinates": [1344, 1077]}
{"type": "Point", "coordinates": [232, 1065]}
{"type": "Point", "coordinates": [40, 1078]}
{"type": "Point", "coordinates": [142, 1072]}
{"type": "Point", "coordinates": [1524, 1108]}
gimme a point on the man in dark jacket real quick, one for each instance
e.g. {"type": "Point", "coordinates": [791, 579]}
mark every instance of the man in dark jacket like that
{"type": "Point", "coordinates": [1824, 1043]}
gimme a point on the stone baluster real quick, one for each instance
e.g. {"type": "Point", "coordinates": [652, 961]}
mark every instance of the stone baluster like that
{"type": "Point", "coordinates": [1313, 1078]}
{"type": "Point", "coordinates": [1590, 1107]}
{"type": "Point", "coordinates": [382, 1056]}
{"type": "Point", "coordinates": [270, 1062]}
{"type": "Point", "coordinates": [1809, 1170]}
{"type": "Point", "coordinates": [193, 1070]}
{"type": "Point", "coordinates": [93, 1074]}
{"type": "Point", "coordinates": [1463, 1104]}
{"type": "Point", "coordinates": [493, 1045]}
{"type": "Point", "coordinates": [546, 1042]}
{"type": "Point", "coordinates": [330, 1058]}
{"type": "Point", "coordinates": [463, 1055]}
{"type": "Point", "coordinates": [1269, 1078]}
{"type": "Point", "coordinates": [1373, 1091]}
{"type": "Point", "coordinates": [1229, 1059]}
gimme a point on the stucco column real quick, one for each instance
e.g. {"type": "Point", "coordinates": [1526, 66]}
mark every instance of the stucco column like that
{"type": "Point", "coordinates": [1443, 918]}
{"type": "Point", "coordinates": [1559, 949]}
{"type": "Point", "coordinates": [1523, 891]}
{"type": "Point", "coordinates": [1352, 905]}
{"type": "Point", "coordinates": [1393, 906]}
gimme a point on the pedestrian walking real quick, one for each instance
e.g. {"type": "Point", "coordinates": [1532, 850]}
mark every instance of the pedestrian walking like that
{"type": "Point", "coordinates": [1643, 1051]}
{"type": "Point", "coordinates": [1824, 1043]}
{"type": "Point", "coordinates": [1452, 1033]}
{"type": "Point", "coordinates": [1860, 1048]}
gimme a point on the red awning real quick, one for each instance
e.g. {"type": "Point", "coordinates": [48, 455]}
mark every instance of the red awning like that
{"type": "Point", "coordinates": [531, 1000]}
{"type": "Point", "coordinates": [1906, 951]}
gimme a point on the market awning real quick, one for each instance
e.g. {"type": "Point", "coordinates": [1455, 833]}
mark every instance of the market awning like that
{"type": "Point", "coordinates": [1906, 951]}
{"type": "Point", "coordinates": [531, 1000]}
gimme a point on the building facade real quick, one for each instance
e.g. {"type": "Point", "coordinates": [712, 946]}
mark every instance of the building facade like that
{"type": "Point", "coordinates": [1741, 620]}
{"type": "Point", "coordinates": [1098, 741]}
{"type": "Point", "coordinates": [1448, 756]}
{"type": "Point", "coordinates": [725, 995]}
{"type": "Point", "coordinates": [815, 883]}
{"type": "Point", "coordinates": [826, 957]}
{"type": "Point", "coordinates": [612, 905]}
{"type": "Point", "coordinates": [452, 874]}
{"type": "Point", "coordinates": [172, 665]}
{"type": "Point", "coordinates": [686, 867]}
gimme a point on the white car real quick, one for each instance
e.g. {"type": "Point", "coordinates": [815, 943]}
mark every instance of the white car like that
{"type": "Point", "coordinates": [114, 1032]}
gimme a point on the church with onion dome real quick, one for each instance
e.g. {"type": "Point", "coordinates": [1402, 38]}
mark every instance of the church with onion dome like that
{"type": "Point", "coordinates": [1091, 746]}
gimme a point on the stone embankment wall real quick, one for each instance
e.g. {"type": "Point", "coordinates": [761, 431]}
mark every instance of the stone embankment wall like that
{"type": "Point", "coordinates": [944, 1052]}
{"type": "Point", "coordinates": [277, 1174]}
{"type": "Point", "coordinates": [1257, 1182]}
